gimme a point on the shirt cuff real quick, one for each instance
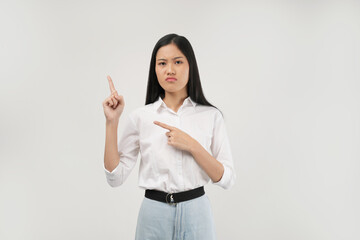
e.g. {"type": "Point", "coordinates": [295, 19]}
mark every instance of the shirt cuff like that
{"type": "Point", "coordinates": [114, 178]}
{"type": "Point", "coordinates": [111, 175]}
{"type": "Point", "coordinates": [225, 179]}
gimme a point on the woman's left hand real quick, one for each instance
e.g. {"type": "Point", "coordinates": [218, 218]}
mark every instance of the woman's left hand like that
{"type": "Point", "coordinates": [178, 138]}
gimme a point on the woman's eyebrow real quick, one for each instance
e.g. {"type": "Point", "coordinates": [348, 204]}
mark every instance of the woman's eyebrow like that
{"type": "Point", "coordinates": [163, 59]}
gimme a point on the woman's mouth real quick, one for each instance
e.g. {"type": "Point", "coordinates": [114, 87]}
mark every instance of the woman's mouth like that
{"type": "Point", "coordinates": [170, 79]}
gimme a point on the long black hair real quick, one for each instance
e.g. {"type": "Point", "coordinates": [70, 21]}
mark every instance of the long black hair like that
{"type": "Point", "coordinates": [194, 89]}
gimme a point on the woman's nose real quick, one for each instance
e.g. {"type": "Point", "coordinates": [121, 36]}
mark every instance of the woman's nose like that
{"type": "Point", "coordinates": [170, 69]}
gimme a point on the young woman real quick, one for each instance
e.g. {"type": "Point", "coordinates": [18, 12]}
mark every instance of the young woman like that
{"type": "Point", "coordinates": [183, 143]}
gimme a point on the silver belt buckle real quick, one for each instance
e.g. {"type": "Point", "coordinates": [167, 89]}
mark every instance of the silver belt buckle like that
{"type": "Point", "coordinates": [171, 199]}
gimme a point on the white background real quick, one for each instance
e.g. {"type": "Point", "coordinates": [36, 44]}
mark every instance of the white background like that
{"type": "Point", "coordinates": [284, 73]}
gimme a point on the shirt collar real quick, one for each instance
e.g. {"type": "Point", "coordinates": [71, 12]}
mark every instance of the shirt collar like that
{"type": "Point", "coordinates": [160, 103]}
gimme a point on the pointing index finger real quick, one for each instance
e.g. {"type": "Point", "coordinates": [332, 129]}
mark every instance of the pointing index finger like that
{"type": "Point", "coordinates": [111, 84]}
{"type": "Point", "coordinates": [163, 125]}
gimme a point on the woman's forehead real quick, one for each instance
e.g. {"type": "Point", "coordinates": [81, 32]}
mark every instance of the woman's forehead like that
{"type": "Point", "coordinates": [170, 51]}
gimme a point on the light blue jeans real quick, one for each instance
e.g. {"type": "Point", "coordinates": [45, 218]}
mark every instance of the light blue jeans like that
{"type": "Point", "coordinates": [189, 220]}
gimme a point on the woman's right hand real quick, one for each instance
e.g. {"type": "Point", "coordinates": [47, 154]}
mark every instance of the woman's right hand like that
{"type": "Point", "coordinates": [114, 104]}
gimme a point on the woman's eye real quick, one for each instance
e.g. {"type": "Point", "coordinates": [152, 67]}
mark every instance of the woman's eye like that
{"type": "Point", "coordinates": [161, 63]}
{"type": "Point", "coordinates": [179, 61]}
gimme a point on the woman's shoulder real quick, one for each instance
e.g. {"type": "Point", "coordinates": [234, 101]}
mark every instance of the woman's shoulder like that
{"type": "Point", "coordinates": [209, 110]}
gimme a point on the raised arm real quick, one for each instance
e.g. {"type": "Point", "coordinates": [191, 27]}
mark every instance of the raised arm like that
{"type": "Point", "coordinates": [113, 107]}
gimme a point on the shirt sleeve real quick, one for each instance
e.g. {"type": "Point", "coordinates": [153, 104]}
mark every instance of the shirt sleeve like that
{"type": "Point", "coordinates": [221, 151]}
{"type": "Point", "coordinates": [128, 149]}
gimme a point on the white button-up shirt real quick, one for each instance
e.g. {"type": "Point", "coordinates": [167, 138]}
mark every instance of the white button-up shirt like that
{"type": "Point", "coordinates": [164, 167]}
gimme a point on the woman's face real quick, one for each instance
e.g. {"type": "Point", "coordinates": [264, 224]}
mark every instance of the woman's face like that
{"type": "Point", "coordinates": [171, 63]}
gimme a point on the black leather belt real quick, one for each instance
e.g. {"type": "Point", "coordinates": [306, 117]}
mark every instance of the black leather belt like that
{"type": "Point", "coordinates": [173, 198]}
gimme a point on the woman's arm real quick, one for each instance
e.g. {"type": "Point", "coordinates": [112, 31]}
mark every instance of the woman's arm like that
{"type": "Point", "coordinates": [208, 163]}
{"type": "Point", "coordinates": [111, 155]}
{"type": "Point", "coordinates": [183, 141]}
{"type": "Point", "coordinates": [113, 107]}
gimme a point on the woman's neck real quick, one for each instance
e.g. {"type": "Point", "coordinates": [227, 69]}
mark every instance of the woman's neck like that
{"type": "Point", "coordinates": [174, 100]}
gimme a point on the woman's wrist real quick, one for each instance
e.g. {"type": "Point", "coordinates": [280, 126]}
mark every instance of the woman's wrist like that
{"type": "Point", "coordinates": [111, 123]}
